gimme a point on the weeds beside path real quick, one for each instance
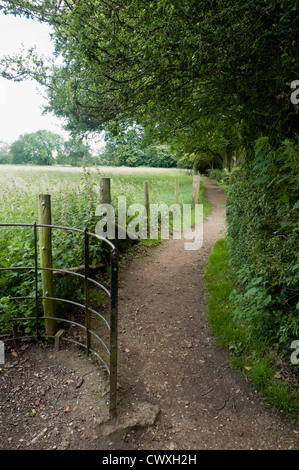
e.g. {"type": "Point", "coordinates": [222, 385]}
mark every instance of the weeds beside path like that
{"type": "Point", "coordinates": [169, 358]}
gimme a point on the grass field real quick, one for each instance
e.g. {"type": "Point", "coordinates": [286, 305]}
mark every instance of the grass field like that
{"type": "Point", "coordinates": [71, 188]}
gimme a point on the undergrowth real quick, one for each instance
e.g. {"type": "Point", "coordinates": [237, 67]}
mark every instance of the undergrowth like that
{"type": "Point", "coordinates": [269, 372]}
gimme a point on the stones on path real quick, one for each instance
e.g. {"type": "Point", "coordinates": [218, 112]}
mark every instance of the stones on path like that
{"type": "Point", "coordinates": [142, 415]}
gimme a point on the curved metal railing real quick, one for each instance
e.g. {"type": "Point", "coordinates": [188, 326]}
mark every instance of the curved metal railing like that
{"type": "Point", "coordinates": [112, 294]}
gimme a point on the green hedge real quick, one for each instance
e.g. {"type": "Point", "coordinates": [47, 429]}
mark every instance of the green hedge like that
{"type": "Point", "coordinates": [263, 226]}
{"type": "Point", "coordinates": [247, 353]}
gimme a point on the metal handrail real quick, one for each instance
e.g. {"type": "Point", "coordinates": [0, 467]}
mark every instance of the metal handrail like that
{"type": "Point", "coordinates": [90, 234]}
{"type": "Point", "coordinates": [112, 295]}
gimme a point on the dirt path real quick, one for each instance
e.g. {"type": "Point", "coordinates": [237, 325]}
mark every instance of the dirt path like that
{"type": "Point", "coordinates": [169, 357]}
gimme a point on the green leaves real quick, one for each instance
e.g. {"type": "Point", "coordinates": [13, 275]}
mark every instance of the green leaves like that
{"type": "Point", "coordinates": [262, 179]}
{"type": "Point", "coordinates": [262, 214]}
{"type": "Point", "coordinates": [38, 148]}
{"type": "Point", "coordinates": [129, 149]}
{"type": "Point", "coordinates": [168, 64]}
{"type": "Point", "coordinates": [4, 309]}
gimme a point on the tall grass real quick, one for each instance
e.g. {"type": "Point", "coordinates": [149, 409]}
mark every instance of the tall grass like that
{"type": "Point", "coordinates": [20, 186]}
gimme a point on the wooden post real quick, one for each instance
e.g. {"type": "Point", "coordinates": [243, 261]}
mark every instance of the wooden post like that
{"type": "Point", "coordinates": [105, 189]}
{"type": "Point", "coordinates": [176, 191]}
{"type": "Point", "coordinates": [195, 188]}
{"type": "Point", "coordinates": [177, 209]}
{"type": "Point", "coordinates": [105, 201]}
{"type": "Point", "coordinates": [147, 207]}
{"type": "Point", "coordinates": [45, 243]}
{"type": "Point", "coordinates": [57, 340]}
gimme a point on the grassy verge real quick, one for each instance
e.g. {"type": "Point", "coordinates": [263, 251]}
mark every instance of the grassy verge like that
{"type": "Point", "coordinates": [248, 353]}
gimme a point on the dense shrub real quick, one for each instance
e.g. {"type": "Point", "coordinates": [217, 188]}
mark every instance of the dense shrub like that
{"type": "Point", "coordinates": [215, 174]}
{"type": "Point", "coordinates": [221, 176]}
{"type": "Point", "coordinates": [263, 225]}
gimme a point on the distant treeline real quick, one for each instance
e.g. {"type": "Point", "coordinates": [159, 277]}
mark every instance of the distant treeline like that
{"type": "Point", "coordinates": [47, 148]}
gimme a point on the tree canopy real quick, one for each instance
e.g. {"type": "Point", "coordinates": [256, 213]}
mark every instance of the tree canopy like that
{"type": "Point", "coordinates": [73, 152]}
{"type": "Point", "coordinates": [37, 148]}
{"type": "Point", "coordinates": [46, 148]}
{"type": "Point", "coordinates": [168, 65]}
{"type": "Point", "coordinates": [129, 149]}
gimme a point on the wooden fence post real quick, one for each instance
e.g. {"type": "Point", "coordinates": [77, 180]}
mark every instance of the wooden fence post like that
{"type": "Point", "coordinates": [176, 191]}
{"type": "Point", "coordinates": [45, 243]}
{"type": "Point", "coordinates": [196, 183]}
{"type": "Point", "coordinates": [105, 201]}
{"type": "Point", "coordinates": [105, 189]}
{"type": "Point", "coordinates": [147, 207]}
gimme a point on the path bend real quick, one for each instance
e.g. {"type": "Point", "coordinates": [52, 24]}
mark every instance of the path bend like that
{"type": "Point", "coordinates": [169, 357]}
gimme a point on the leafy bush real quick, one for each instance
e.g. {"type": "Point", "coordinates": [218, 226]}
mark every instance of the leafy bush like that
{"type": "Point", "coordinates": [262, 214]}
{"type": "Point", "coordinates": [248, 353]}
{"type": "Point", "coordinates": [221, 176]}
{"type": "Point", "coordinates": [215, 174]}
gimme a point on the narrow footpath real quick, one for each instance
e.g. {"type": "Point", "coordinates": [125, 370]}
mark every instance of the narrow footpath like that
{"type": "Point", "coordinates": [168, 356]}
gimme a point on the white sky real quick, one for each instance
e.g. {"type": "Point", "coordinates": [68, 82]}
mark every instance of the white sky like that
{"type": "Point", "coordinates": [21, 103]}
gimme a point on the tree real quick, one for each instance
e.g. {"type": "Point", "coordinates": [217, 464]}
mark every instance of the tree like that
{"type": "Point", "coordinates": [73, 152]}
{"type": "Point", "coordinates": [129, 149]}
{"type": "Point", "coordinates": [5, 155]}
{"type": "Point", "coordinates": [168, 64]}
{"type": "Point", "coordinates": [37, 148]}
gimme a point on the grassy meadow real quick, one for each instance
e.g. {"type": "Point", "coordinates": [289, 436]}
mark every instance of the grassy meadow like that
{"type": "Point", "coordinates": [74, 190]}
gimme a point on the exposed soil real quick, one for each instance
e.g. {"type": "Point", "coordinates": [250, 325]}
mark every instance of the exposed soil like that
{"type": "Point", "coordinates": [167, 358]}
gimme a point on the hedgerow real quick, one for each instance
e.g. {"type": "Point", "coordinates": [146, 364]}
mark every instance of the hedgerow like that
{"type": "Point", "coordinates": [263, 235]}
